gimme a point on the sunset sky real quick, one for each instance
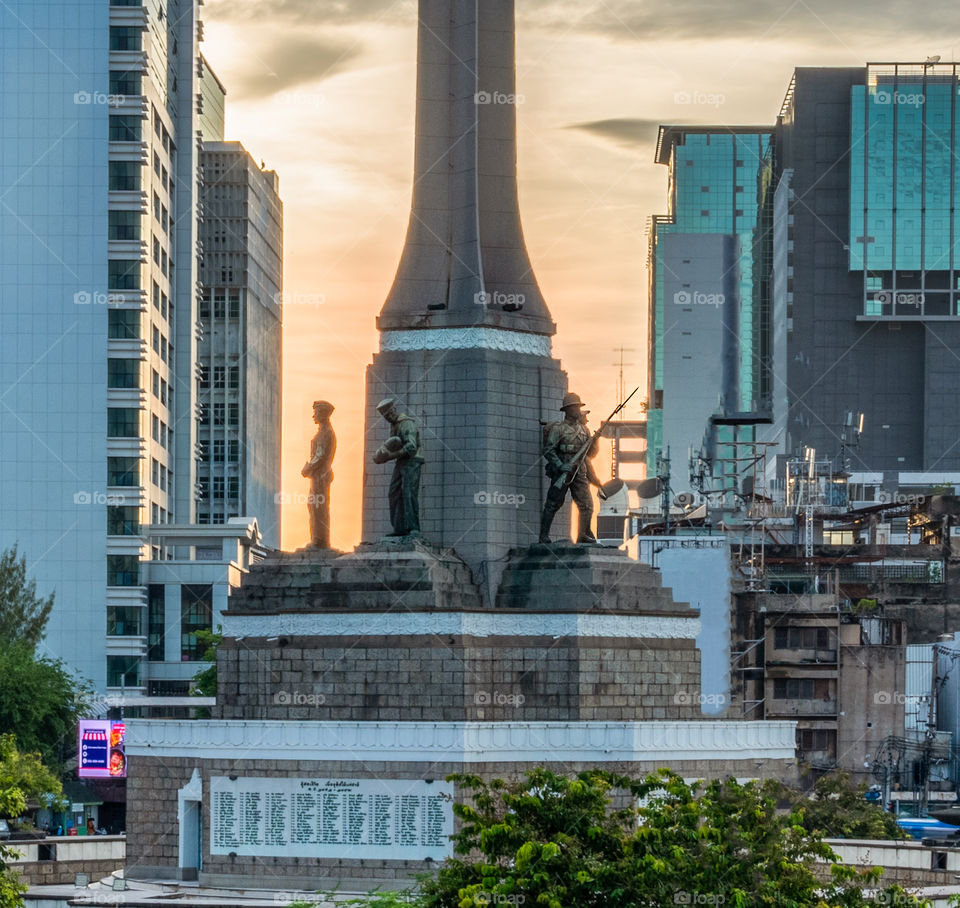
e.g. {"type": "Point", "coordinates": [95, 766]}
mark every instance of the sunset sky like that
{"type": "Point", "coordinates": [323, 92]}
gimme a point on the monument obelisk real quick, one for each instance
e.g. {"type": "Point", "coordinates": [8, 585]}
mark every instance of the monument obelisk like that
{"type": "Point", "coordinates": [465, 334]}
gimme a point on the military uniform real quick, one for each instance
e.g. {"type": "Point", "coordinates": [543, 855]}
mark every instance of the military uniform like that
{"type": "Point", "coordinates": [405, 449]}
{"type": "Point", "coordinates": [562, 443]}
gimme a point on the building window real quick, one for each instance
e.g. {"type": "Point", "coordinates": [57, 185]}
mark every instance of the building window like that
{"type": "Point", "coordinates": [123, 570]}
{"type": "Point", "coordinates": [218, 450]}
{"type": "Point", "coordinates": [123, 621]}
{"type": "Point", "coordinates": [234, 304]}
{"type": "Point", "coordinates": [203, 310]}
{"type": "Point", "coordinates": [125, 128]}
{"type": "Point", "coordinates": [233, 414]}
{"type": "Point", "coordinates": [196, 614]}
{"type": "Point", "coordinates": [124, 176]}
{"type": "Point", "coordinates": [233, 451]}
{"type": "Point", "coordinates": [233, 378]}
{"type": "Point", "coordinates": [123, 422]}
{"type": "Point", "coordinates": [123, 373]}
{"type": "Point", "coordinates": [819, 740]}
{"type": "Point", "coordinates": [125, 37]}
{"type": "Point", "coordinates": [123, 520]}
{"type": "Point", "coordinates": [233, 488]}
{"type": "Point", "coordinates": [218, 488]}
{"type": "Point", "coordinates": [123, 471]}
{"type": "Point", "coordinates": [123, 671]}
{"type": "Point", "coordinates": [218, 414]}
{"type": "Point", "coordinates": [123, 275]}
{"type": "Point", "coordinates": [123, 324]}
{"type": "Point", "coordinates": [801, 689]}
{"type": "Point", "coordinates": [124, 82]}
{"type": "Point", "coordinates": [219, 304]}
{"type": "Point", "coordinates": [219, 377]}
{"type": "Point", "coordinates": [155, 622]}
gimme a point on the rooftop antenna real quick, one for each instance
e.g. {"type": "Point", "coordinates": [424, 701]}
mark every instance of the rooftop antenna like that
{"type": "Point", "coordinates": [621, 389]}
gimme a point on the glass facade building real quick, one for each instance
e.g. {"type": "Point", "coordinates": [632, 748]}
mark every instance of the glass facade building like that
{"type": "Point", "coordinates": [99, 267]}
{"type": "Point", "coordinates": [904, 212]}
{"type": "Point", "coordinates": [713, 190]}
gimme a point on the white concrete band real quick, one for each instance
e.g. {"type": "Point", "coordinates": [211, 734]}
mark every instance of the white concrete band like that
{"type": "Point", "coordinates": [472, 624]}
{"type": "Point", "coordinates": [462, 742]}
{"type": "Point", "coordinates": [466, 339]}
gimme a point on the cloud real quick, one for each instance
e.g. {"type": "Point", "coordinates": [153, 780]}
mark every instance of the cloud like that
{"type": "Point", "coordinates": [288, 63]}
{"type": "Point", "coordinates": [315, 12]}
{"type": "Point", "coordinates": [630, 132]}
{"type": "Point", "coordinates": [764, 19]}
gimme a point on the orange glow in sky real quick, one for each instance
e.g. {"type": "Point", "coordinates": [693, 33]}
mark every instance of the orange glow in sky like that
{"type": "Point", "coordinates": [323, 92]}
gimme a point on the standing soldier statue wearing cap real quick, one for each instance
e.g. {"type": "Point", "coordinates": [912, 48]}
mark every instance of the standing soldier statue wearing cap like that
{"type": "Point", "coordinates": [404, 449]}
{"type": "Point", "coordinates": [320, 473]}
{"type": "Point", "coordinates": [568, 447]}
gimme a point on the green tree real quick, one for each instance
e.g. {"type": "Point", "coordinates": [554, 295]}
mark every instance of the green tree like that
{"type": "Point", "coordinates": [23, 614]}
{"type": "Point", "coordinates": [22, 777]}
{"type": "Point", "coordinates": [40, 703]}
{"type": "Point", "coordinates": [839, 809]}
{"type": "Point", "coordinates": [562, 842]}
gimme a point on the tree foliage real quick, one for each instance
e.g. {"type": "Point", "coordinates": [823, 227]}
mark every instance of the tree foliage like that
{"type": "Point", "coordinates": [40, 703]}
{"type": "Point", "coordinates": [578, 842]}
{"type": "Point", "coordinates": [23, 777]}
{"type": "Point", "coordinates": [839, 809]}
{"type": "Point", "coordinates": [23, 615]}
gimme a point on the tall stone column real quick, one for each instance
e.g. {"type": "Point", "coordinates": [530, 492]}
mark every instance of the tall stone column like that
{"type": "Point", "coordinates": [465, 334]}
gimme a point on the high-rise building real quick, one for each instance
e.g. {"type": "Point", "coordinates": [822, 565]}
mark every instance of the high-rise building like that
{"type": "Point", "coordinates": [872, 236]}
{"type": "Point", "coordinates": [702, 286]}
{"type": "Point", "coordinates": [239, 351]}
{"type": "Point", "coordinates": [99, 270]}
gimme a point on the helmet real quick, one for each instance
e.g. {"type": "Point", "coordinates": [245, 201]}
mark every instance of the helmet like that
{"type": "Point", "coordinates": [385, 405]}
{"type": "Point", "coordinates": [571, 400]}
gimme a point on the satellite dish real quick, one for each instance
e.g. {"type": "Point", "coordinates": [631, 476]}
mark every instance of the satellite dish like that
{"type": "Point", "coordinates": [613, 487]}
{"type": "Point", "coordinates": [685, 500]}
{"type": "Point", "coordinates": [649, 488]}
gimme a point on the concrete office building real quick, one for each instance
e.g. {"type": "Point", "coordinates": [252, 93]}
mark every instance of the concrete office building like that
{"type": "Point", "coordinates": [99, 269]}
{"type": "Point", "coordinates": [855, 281]}
{"type": "Point", "coordinates": [702, 355]}
{"type": "Point", "coordinates": [240, 350]}
{"type": "Point", "coordinates": [874, 245]}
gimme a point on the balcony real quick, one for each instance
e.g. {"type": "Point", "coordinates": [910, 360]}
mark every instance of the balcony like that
{"type": "Point", "coordinates": [813, 708]}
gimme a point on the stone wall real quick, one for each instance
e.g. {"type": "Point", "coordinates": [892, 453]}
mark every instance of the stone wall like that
{"type": "Point", "coordinates": [489, 679]}
{"type": "Point", "coordinates": [153, 836]}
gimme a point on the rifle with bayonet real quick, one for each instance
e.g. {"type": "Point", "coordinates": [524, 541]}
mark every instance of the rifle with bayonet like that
{"type": "Point", "coordinates": [562, 482]}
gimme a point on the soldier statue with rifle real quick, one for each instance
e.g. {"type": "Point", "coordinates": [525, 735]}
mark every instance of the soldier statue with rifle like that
{"type": "Point", "coordinates": [568, 449]}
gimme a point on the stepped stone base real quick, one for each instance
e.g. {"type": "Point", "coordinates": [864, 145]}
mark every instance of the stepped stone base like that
{"type": "Point", "coordinates": [567, 577]}
{"type": "Point", "coordinates": [405, 572]}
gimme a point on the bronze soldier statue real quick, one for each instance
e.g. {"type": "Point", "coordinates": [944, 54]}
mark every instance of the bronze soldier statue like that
{"type": "Point", "coordinates": [563, 442]}
{"type": "Point", "coordinates": [404, 449]}
{"type": "Point", "coordinates": [319, 470]}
